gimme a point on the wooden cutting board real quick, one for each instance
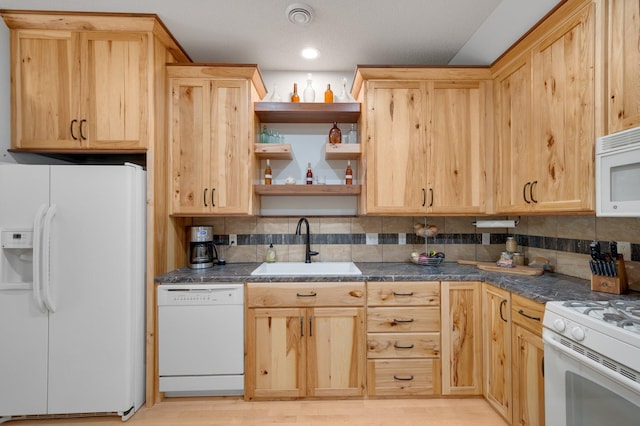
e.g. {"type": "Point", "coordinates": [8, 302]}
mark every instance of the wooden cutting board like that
{"type": "Point", "coordinates": [491, 266]}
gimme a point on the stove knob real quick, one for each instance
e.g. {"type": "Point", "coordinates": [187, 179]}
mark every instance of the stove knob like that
{"type": "Point", "coordinates": [577, 333]}
{"type": "Point", "coordinates": [559, 324]}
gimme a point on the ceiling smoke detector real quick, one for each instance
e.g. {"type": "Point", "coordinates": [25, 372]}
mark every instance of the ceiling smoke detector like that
{"type": "Point", "coordinates": [299, 13]}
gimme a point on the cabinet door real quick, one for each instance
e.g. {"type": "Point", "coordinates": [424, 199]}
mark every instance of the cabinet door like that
{"type": "Point", "coordinates": [189, 137]}
{"type": "Point", "coordinates": [231, 155]}
{"type": "Point", "coordinates": [45, 102]}
{"type": "Point", "coordinates": [115, 90]}
{"type": "Point", "coordinates": [276, 353]}
{"type": "Point", "coordinates": [396, 148]}
{"type": "Point", "coordinates": [528, 380]}
{"type": "Point", "coordinates": [623, 59]}
{"type": "Point", "coordinates": [336, 352]}
{"type": "Point", "coordinates": [456, 158]}
{"type": "Point", "coordinates": [515, 156]}
{"type": "Point", "coordinates": [497, 349]}
{"type": "Point", "coordinates": [461, 338]}
{"type": "Point", "coordinates": [563, 113]}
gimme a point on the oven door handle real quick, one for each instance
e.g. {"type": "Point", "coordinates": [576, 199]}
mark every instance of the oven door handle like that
{"type": "Point", "coordinates": [604, 371]}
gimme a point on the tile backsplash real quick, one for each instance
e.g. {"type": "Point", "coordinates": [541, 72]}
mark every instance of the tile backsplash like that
{"type": "Point", "coordinates": [563, 240]}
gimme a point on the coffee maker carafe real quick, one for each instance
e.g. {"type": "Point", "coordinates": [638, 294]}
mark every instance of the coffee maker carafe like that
{"type": "Point", "coordinates": [201, 248]}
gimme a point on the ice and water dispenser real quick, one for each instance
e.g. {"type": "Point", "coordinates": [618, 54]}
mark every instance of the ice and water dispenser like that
{"type": "Point", "coordinates": [16, 257]}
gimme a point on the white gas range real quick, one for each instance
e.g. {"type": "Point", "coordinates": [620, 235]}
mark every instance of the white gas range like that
{"type": "Point", "coordinates": [592, 362]}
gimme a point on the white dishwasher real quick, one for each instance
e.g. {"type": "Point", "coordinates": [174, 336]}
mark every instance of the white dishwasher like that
{"type": "Point", "coordinates": [201, 339]}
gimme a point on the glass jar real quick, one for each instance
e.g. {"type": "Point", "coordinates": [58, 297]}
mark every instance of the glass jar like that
{"type": "Point", "coordinates": [335, 134]}
{"type": "Point", "coordinates": [511, 245]}
{"type": "Point", "coordinates": [309, 94]}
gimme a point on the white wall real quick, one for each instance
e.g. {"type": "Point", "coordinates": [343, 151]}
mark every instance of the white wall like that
{"type": "Point", "coordinates": [307, 144]}
{"type": "Point", "coordinates": [284, 81]}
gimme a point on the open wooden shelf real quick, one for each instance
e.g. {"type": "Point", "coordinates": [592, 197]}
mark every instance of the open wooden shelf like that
{"type": "Point", "coordinates": [274, 151]}
{"type": "Point", "coordinates": [307, 189]}
{"type": "Point", "coordinates": [307, 112]}
{"type": "Point", "coordinates": [342, 151]}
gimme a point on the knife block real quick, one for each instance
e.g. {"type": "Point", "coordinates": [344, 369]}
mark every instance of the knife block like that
{"type": "Point", "coordinates": [615, 285]}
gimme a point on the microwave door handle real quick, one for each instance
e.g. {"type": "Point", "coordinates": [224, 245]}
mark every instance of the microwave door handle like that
{"type": "Point", "coordinates": [599, 368]}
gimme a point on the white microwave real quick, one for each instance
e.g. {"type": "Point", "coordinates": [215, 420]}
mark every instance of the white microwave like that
{"type": "Point", "coordinates": [618, 174]}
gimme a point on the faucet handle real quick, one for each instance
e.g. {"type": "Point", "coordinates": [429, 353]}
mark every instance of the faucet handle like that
{"type": "Point", "coordinates": [313, 253]}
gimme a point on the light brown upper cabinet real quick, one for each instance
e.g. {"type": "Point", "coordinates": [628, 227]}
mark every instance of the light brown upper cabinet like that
{"type": "Point", "coordinates": [396, 147]}
{"type": "Point", "coordinates": [546, 119]}
{"type": "Point", "coordinates": [75, 89]}
{"type": "Point", "coordinates": [514, 150]}
{"type": "Point", "coordinates": [623, 64]}
{"type": "Point", "coordinates": [424, 139]}
{"type": "Point", "coordinates": [211, 133]}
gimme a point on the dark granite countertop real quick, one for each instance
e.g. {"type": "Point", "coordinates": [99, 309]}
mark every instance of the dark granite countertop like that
{"type": "Point", "coordinates": [544, 288]}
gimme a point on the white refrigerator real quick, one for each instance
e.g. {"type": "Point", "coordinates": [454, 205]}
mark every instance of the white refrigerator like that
{"type": "Point", "coordinates": [72, 289]}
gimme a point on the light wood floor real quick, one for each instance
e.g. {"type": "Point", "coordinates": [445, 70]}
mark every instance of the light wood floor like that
{"type": "Point", "coordinates": [235, 411]}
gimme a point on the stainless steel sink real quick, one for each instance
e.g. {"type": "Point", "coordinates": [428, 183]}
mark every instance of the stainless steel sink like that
{"type": "Point", "coordinates": [312, 269]}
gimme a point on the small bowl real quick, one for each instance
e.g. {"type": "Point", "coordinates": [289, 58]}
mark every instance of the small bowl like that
{"type": "Point", "coordinates": [430, 261]}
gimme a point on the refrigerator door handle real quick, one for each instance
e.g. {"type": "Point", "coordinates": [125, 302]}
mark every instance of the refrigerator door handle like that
{"type": "Point", "coordinates": [46, 242]}
{"type": "Point", "coordinates": [37, 252]}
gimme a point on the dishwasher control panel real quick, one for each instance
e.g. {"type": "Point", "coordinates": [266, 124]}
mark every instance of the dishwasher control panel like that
{"type": "Point", "coordinates": [200, 294]}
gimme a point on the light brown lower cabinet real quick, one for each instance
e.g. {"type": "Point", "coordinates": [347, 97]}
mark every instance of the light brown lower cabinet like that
{"type": "Point", "coordinates": [527, 362]}
{"type": "Point", "coordinates": [314, 349]}
{"type": "Point", "coordinates": [461, 338]}
{"type": "Point", "coordinates": [514, 355]}
{"type": "Point", "coordinates": [496, 305]}
{"type": "Point", "coordinates": [403, 338]}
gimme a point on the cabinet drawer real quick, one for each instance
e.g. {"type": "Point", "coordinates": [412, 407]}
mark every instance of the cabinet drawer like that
{"type": "Point", "coordinates": [300, 294]}
{"type": "Point", "coordinates": [403, 293]}
{"type": "Point", "coordinates": [403, 377]}
{"type": "Point", "coordinates": [527, 313]}
{"type": "Point", "coordinates": [403, 345]}
{"type": "Point", "coordinates": [399, 319]}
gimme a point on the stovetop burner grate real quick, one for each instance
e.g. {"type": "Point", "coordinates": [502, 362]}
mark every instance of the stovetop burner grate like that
{"type": "Point", "coordinates": [622, 313]}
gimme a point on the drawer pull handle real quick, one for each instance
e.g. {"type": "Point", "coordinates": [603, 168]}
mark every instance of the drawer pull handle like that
{"type": "Point", "coordinates": [397, 346]}
{"type": "Point", "coordinates": [403, 320]}
{"type": "Point", "coordinates": [395, 293]}
{"type": "Point", "coordinates": [521, 312]}
{"type": "Point", "coordinates": [312, 294]}
{"type": "Point", "coordinates": [407, 379]}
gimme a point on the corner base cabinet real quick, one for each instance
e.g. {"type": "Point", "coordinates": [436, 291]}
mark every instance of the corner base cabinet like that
{"type": "Point", "coordinates": [304, 340]}
{"type": "Point", "coordinates": [527, 362]}
{"type": "Point", "coordinates": [496, 305]}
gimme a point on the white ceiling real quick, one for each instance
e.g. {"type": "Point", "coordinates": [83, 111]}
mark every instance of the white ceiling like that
{"type": "Point", "coordinates": [347, 32]}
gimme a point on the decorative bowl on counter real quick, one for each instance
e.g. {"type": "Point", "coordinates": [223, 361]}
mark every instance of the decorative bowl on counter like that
{"type": "Point", "coordinates": [429, 261]}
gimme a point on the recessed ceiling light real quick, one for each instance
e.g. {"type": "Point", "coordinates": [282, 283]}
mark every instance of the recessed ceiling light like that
{"type": "Point", "coordinates": [299, 13]}
{"type": "Point", "coordinates": [309, 53]}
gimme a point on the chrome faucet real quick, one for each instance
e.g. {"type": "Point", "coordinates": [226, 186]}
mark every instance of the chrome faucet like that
{"type": "Point", "coordinates": [308, 252]}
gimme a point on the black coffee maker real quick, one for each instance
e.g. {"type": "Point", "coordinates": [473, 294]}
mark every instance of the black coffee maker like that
{"type": "Point", "coordinates": [201, 247]}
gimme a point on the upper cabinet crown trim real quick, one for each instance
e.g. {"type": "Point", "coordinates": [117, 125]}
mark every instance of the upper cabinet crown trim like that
{"type": "Point", "coordinates": [94, 21]}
